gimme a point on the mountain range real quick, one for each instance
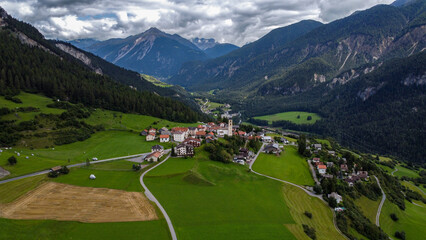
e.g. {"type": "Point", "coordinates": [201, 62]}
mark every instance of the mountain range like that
{"type": "Point", "coordinates": [154, 52]}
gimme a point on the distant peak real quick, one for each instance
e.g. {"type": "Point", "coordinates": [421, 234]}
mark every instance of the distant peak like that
{"type": "Point", "coordinates": [153, 30]}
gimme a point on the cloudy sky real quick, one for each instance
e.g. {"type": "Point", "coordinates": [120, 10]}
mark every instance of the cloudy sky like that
{"type": "Point", "coordinates": [233, 21]}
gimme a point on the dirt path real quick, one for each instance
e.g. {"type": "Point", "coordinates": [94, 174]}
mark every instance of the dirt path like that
{"type": "Point", "coordinates": [381, 203]}
{"type": "Point", "coordinates": [3, 172]}
{"type": "Point", "coordinates": [63, 202]}
{"type": "Point", "coordinates": [151, 197]}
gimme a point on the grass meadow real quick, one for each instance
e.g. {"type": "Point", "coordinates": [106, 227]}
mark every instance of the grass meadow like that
{"type": "Point", "coordinates": [292, 117]}
{"type": "Point", "coordinates": [105, 144]}
{"type": "Point", "coordinates": [212, 200]}
{"type": "Point", "coordinates": [368, 207]}
{"type": "Point", "coordinates": [289, 166]}
{"type": "Point", "coordinates": [411, 221]}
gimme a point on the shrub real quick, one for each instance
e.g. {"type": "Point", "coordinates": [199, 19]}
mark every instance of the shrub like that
{"type": "Point", "coordinates": [317, 189]}
{"type": "Point", "coordinates": [309, 231]}
{"type": "Point", "coordinates": [136, 167]}
{"type": "Point", "coordinates": [65, 170]}
{"type": "Point", "coordinates": [400, 235]}
{"type": "Point", "coordinates": [308, 214]}
{"type": "Point", "coordinates": [309, 118]}
{"type": "Point", "coordinates": [394, 217]}
{"type": "Point", "coordinates": [12, 160]}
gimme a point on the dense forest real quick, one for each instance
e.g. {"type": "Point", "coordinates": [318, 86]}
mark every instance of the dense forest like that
{"type": "Point", "coordinates": [54, 74]}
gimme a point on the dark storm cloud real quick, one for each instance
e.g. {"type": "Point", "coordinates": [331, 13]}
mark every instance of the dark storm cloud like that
{"type": "Point", "coordinates": [235, 21]}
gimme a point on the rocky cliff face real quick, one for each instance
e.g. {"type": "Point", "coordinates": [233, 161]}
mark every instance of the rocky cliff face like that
{"type": "Point", "coordinates": [79, 55]}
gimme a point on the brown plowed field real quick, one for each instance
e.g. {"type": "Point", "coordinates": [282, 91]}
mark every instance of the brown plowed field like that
{"type": "Point", "coordinates": [72, 203]}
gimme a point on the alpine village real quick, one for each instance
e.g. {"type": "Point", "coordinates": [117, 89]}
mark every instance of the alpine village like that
{"type": "Point", "coordinates": [282, 127]}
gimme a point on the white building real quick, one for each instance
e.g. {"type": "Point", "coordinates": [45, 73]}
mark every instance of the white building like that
{"type": "Point", "coordinates": [164, 138]}
{"type": "Point", "coordinates": [179, 136]}
{"type": "Point", "coordinates": [267, 139]}
{"type": "Point", "coordinates": [222, 132]}
{"type": "Point", "coordinates": [335, 196]}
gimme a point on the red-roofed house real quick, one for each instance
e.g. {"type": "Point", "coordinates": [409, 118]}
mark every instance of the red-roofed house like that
{"type": "Point", "coordinates": [322, 169]}
{"type": "Point", "coordinates": [193, 142]}
{"type": "Point", "coordinates": [150, 137]}
{"type": "Point", "coordinates": [153, 157]}
{"type": "Point", "coordinates": [164, 138]}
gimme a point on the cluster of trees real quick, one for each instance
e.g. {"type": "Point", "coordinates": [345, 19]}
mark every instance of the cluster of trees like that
{"type": "Point", "coordinates": [223, 151]}
{"type": "Point", "coordinates": [310, 231]}
{"type": "Point", "coordinates": [33, 69]}
{"type": "Point", "coordinates": [55, 174]}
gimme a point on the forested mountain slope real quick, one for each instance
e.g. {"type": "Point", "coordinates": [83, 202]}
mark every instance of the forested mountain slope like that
{"type": "Point", "coordinates": [29, 62]}
{"type": "Point", "coordinates": [369, 36]}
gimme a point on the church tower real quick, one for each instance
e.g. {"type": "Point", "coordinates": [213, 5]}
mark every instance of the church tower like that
{"type": "Point", "coordinates": [230, 127]}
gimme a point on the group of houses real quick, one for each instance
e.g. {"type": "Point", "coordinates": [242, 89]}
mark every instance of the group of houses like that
{"type": "Point", "coordinates": [344, 172]}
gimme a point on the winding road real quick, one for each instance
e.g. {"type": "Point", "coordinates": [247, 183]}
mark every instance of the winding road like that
{"type": "Point", "coordinates": [298, 186]}
{"type": "Point", "coordinates": [151, 197]}
{"type": "Point", "coordinates": [379, 210]}
{"type": "Point", "coordinates": [71, 166]}
{"type": "Point", "coordinates": [394, 171]}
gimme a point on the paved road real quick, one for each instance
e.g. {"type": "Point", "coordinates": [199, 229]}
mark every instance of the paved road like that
{"type": "Point", "coordinates": [314, 174]}
{"type": "Point", "coordinates": [381, 203]}
{"type": "Point", "coordinates": [298, 186]}
{"type": "Point", "coordinates": [394, 171]}
{"type": "Point", "coordinates": [151, 197]}
{"type": "Point", "coordinates": [71, 166]}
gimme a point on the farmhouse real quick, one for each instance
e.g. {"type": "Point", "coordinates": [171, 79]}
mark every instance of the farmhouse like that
{"type": "Point", "coordinates": [193, 142]}
{"type": "Point", "coordinates": [164, 138]}
{"type": "Point", "coordinates": [178, 136]}
{"type": "Point", "coordinates": [322, 168]}
{"type": "Point", "coordinates": [317, 146]}
{"type": "Point", "coordinates": [335, 196]}
{"type": "Point", "coordinates": [184, 150]}
{"type": "Point", "coordinates": [164, 130]}
{"type": "Point", "coordinates": [344, 167]}
{"type": "Point", "coordinates": [316, 160]}
{"type": "Point", "coordinates": [152, 130]}
{"type": "Point", "coordinates": [330, 164]}
{"type": "Point", "coordinates": [267, 139]}
{"type": "Point", "coordinates": [157, 148]}
{"type": "Point", "coordinates": [272, 148]}
{"type": "Point", "coordinates": [362, 175]}
{"type": "Point", "coordinates": [153, 157]}
{"type": "Point", "coordinates": [150, 137]}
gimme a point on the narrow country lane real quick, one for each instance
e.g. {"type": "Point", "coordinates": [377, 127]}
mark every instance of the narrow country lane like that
{"type": "Point", "coordinates": [298, 186]}
{"type": "Point", "coordinates": [71, 166]}
{"type": "Point", "coordinates": [151, 197]}
{"type": "Point", "coordinates": [381, 203]}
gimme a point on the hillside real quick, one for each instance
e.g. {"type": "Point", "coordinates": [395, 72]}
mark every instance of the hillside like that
{"type": "Point", "coordinates": [213, 73]}
{"type": "Point", "coordinates": [31, 63]}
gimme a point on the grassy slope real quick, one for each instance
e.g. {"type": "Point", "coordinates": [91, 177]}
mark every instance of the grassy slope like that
{"type": "Point", "coordinates": [412, 220]}
{"type": "Point", "coordinates": [402, 171]}
{"type": "Point", "coordinates": [155, 81]}
{"type": "Point", "coordinates": [292, 117]}
{"type": "Point", "coordinates": [28, 100]}
{"type": "Point", "coordinates": [106, 144]}
{"type": "Point", "coordinates": [49, 229]}
{"type": "Point", "coordinates": [413, 187]}
{"type": "Point", "coordinates": [239, 205]}
{"type": "Point", "coordinates": [118, 120]}
{"type": "Point", "coordinates": [368, 207]}
{"type": "Point", "coordinates": [289, 166]}
{"type": "Point", "coordinates": [324, 142]}
{"type": "Point", "coordinates": [322, 218]}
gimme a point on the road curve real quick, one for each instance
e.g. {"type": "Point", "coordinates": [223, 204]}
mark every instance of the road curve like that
{"type": "Point", "coordinates": [70, 166]}
{"type": "Point", "coordinates": [381, 203]}
{"type": "Point", "coordinates": [151, 197]}
{"type": "Point", "coordinates": [394, 171]}
{"type": "Point", "coordinates": [298, 186]}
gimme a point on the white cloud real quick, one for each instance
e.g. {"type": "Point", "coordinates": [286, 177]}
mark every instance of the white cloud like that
{"type": "Point", "coordinates": [234, 21]}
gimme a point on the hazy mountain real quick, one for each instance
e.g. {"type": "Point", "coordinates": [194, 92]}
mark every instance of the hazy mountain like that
{"type": "Point", "coordinates": [83, 43]}
{"type": "Point", "coordinates": [220, 49]}
{"type": "Point", "coordinates": [152, 52]}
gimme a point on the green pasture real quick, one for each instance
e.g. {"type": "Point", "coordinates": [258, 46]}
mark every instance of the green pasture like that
{"type": "Point", "coordinates": [103, 145]}
{"type": "Point", "coordinates": [212, 200]}
{"type": "Point", "coordinates": [28, 100]}
{"type": "Point", "coordinates": [289, 166]}
{"type": "Point", "coordinates": [155, 81]}
{"type": "Point", "coordinates": [324, 142]}
{"type": "Point", "coordinates": [322, 218]}
{"type": "Point", "coordinates": [292, 117]}
{"type": "Point", "coordinates": [368, 207]}
{"type": "Point", "coordinates": [135, 122]}
{"type": "Point", "coordinates": [402, 171]}
{"type": "Point", "coordinates": [411, 221]}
